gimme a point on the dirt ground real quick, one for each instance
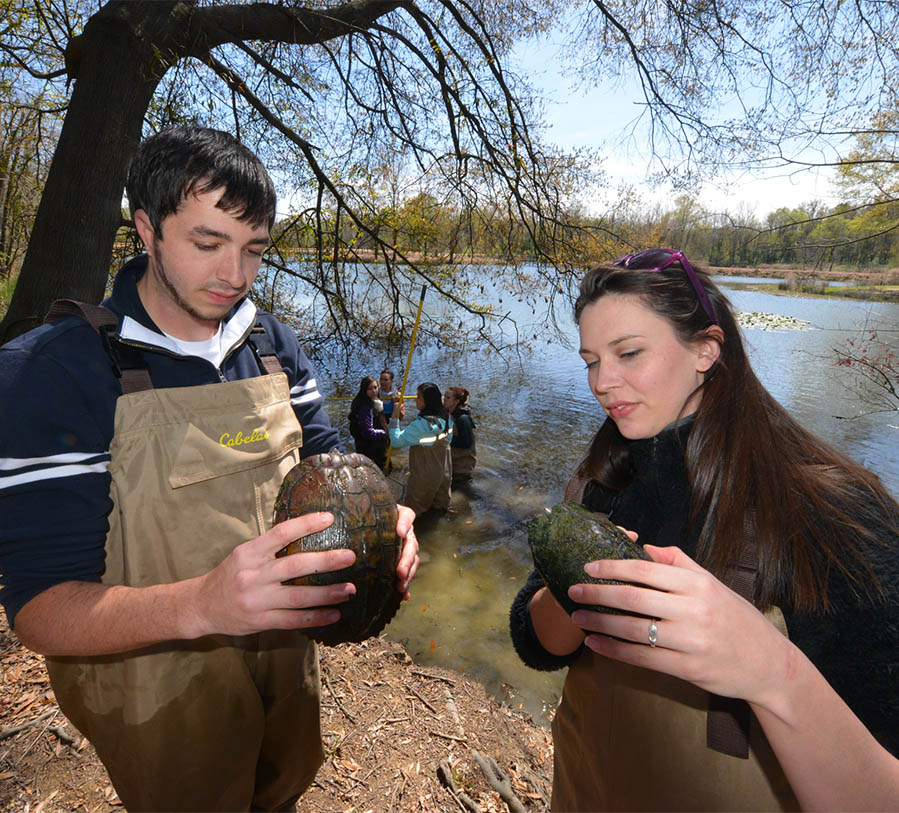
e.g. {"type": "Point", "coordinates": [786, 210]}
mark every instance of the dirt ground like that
{"type": "Point", "coordinates": [397, 738]}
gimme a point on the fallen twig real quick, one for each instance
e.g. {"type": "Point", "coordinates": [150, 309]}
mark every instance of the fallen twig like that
{"type": "Point", "coordinates": [25, 752]}
{"type": "Point", "coordinates": [9, 732]}
{"type": "Point", "coordinates": [411, 689]}
{"type": "Point", "coordinates": [336, 699]}
{"type": "Point", "coordinates": [62, 734]}
{"type": "Point", "coordinates": [433, 677]}
{"type": "Point", "coordinates": [448, 736]}
{"type": "Point", "coordinates": [454, 712]}
{"type": "Point", "coordinates": [499, 781]}
{"type": "Point", "coordinates": [465, 802]}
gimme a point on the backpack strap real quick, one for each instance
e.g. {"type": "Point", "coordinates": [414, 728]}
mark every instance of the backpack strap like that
{"type": "Point", "coordinates": [264, 350]}
{"type": "Point", "coordinates": [127, 361]}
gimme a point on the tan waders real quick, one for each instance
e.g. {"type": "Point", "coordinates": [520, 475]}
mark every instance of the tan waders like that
{"type": "Point", "coordinates": [430, 476]}
{"type": "Point", "coordinates": [219, 723]}
{"type": "Point", "coordinates": [628, 738]}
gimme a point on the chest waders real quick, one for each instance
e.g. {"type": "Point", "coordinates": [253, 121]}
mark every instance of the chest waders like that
{"type": "Point", "coordinates": [430, 473]}
{"type": "Point", "coordinates": [219, 723]}
{"type": "Point", "coordinates": [464, 461]}
{"type": "Point", "coordinates": [628, 738]}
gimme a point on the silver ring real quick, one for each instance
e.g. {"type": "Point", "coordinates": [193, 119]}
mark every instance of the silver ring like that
{"type": "Point", "coordinates": [653, 633]}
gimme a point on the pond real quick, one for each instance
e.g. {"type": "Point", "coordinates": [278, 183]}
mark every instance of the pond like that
{"type": "Point", "coordinates": [534, 418]}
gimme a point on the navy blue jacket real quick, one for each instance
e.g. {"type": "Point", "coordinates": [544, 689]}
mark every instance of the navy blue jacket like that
{"type": "Point", "coordinates": [58, 393]}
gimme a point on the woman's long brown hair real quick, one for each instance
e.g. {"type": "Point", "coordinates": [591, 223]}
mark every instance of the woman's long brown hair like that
{"type": "Point", "coordinates": [752, 468]}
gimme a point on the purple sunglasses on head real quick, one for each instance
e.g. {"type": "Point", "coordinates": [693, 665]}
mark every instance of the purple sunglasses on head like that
{"type": "Point", "coordinates": [655, 259]}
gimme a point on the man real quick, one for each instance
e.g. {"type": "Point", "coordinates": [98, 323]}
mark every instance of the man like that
{"type": "Point", "coordinates": [387, 392]}
{"type": "Point", "coordinates": [136, 550]}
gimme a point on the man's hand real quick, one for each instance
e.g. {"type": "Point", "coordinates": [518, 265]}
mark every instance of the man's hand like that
{"type": "Point", "coordinates": [245, 594]}
{"type": "Point", "coordinates": [408, 564]}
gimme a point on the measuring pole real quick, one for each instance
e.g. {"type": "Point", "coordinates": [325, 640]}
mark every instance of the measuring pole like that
{"type": "Point", "coordinates": [421, 302]}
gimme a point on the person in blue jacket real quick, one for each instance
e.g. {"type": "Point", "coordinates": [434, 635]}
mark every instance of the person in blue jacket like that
{"type": "Point", "coordinates": [428, 438]}
{"type": "Point", "coordinates": [367, 424]}
{"type": "Point", "coordinates": [141, 451]}
{"type": "Point", "coordinates": [387, 392]}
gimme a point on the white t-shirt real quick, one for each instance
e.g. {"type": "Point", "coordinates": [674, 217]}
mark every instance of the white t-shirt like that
{"type": "Point", "coordinates": [209, 349]}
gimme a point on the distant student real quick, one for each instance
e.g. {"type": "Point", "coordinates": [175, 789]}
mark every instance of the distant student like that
{"type": "Point", "coordinates": [387, 392]}
{"type": "Point", "coordinates": [367, 423]}
{"type": "Point", "coordinates": [430, 461]}
{"type": "Point", "coordinates": [463, 446]}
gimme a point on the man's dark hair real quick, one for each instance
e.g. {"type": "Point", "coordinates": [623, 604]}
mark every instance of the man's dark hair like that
{"type": "Point", "coordinates": [189, 159]}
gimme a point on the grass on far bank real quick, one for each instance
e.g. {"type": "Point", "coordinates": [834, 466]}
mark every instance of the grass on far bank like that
{"type": "Point", "coordinates": [818, 287]}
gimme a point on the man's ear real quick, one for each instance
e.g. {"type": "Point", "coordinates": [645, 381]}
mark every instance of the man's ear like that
{"type": "Point", "coordinates": [145, 229]}
{"type": "Point", "coordinates": [709, 348]}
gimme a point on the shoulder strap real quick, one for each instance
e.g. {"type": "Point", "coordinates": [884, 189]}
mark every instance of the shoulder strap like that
{"type": "Point", "coordinates": [264, 350]}
{"type": "Point", "coordinates": [729, 718]}
{"type": "Point", "coordinates": [128, 362]}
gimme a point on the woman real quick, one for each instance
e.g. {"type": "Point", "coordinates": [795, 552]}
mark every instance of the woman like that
{"type": "Point", "coordinates": [774, 568]}
{"type": "Point", "coordinates": [367, 424]}
{"type": "Point", "coordinates": [430, 463]}
{"type": "Point", "coordinates": [462, 447]}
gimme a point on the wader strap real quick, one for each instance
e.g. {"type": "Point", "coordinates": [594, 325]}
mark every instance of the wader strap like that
{"type": "Point", "coordinates": [128, 362]}
{"type": "Point", "coordinates": [729, 718]}
{"type": "Point", "coordinates": [264, 350]}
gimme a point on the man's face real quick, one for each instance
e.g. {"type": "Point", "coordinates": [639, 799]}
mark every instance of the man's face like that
{"type": "Point", "coordinates": [204, 262]}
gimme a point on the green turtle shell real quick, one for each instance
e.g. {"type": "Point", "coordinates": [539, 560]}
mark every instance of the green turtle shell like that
{"type": "Point", "coordinates": [354, 490]}
{"type": "Point", "coordinates": [568, 536]}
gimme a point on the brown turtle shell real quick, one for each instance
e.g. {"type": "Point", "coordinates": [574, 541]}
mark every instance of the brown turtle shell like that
{"type": "Point", "coordinates": [355, 491]}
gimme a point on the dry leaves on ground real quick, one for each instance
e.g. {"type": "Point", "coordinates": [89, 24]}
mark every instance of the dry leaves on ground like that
{"type": "Point", "coordinates": [396, 737]}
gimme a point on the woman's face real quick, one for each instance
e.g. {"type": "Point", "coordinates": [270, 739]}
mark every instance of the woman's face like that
{"type": "Point", "coordinates": [386, 382]}
{"type": "Point", "coordinates": [449, 401]}
{"type": "Point", "coordinates": [372, 389]}
{"type": "Point", "coordinates": [640, 372]}
{"type": "Point", "coordinates": [419, 401]}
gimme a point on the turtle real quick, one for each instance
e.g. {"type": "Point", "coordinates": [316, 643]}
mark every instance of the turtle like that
{"type": "Point", "coordinates": [565, 538]}
{"type": "Point", "coordinates": [355, 491]}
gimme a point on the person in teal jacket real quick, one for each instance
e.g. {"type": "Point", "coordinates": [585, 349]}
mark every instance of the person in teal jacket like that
{"type": "Point", "coordinates": [428, 438]}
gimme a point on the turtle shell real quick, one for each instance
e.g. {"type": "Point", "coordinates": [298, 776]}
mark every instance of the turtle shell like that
{"type": "Point", "coordinates": [568, 536]}
{"type": "Point", "coordinates": [354, 490]}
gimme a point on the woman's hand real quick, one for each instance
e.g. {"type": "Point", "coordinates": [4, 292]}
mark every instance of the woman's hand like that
{"type": "Point", "coordinates": [712, 637]}
{"type": "Point", "coordinates": [706, 633]}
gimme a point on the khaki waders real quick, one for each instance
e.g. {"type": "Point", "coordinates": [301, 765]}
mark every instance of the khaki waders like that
{"type": "Point", "coordinates": [628, 738]}
{"type": "Point", "coordinates": [430, 475]}
{"type": "Point", "coordinates": [220, 723]}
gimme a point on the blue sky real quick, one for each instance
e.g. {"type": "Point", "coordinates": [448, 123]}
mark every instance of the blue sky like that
{"type": "Point", "coordinates": [599, 118]}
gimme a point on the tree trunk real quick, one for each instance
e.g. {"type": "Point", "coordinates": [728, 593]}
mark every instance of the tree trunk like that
{"type": "Point", "coordinates": [116, 72]}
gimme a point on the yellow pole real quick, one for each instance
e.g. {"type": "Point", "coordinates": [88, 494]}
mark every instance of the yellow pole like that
{"type": "Point", "coordinates": [421, 302]}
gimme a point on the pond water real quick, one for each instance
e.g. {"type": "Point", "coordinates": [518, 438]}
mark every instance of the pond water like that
{"type": "Point", "coordinates": [534, 418]}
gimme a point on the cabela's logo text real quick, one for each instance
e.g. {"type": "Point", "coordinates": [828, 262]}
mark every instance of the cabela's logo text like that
{"type": "Point", "coordinates": [240, 439]}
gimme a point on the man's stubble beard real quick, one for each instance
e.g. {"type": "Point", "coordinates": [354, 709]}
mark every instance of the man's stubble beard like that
{"type": "Point", "coordinates": [158, 267]}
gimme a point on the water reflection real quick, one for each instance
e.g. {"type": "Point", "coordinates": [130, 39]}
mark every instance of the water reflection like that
{"type": "Point", "coordinates": [534, 420]}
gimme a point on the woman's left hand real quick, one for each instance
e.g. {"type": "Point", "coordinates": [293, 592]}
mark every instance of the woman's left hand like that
{"type": "Point", "coordinates": [706, 633]}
